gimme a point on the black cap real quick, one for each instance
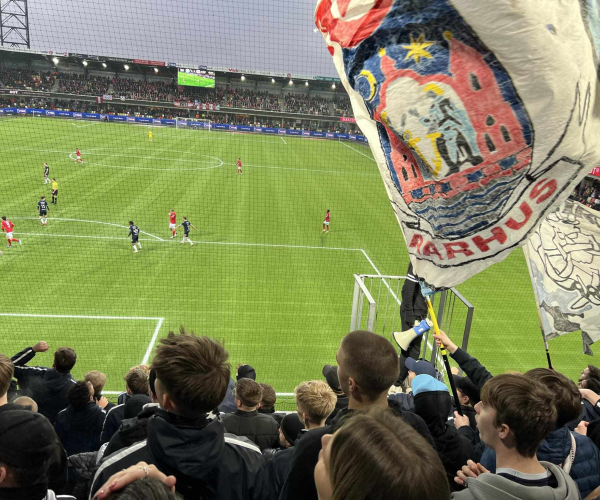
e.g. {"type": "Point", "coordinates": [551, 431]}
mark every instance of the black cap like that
{"type": "Point", "coordinates": [468, 388]}
{"type": "Point", "coordinates": [291, 427]}
{"type": "Point", "coordinates": [246, 371]}
{"type": "Point", "coordinates": [135, 404]}
{"type": "Point", "coordinates": [27, 439]}
{"type": "Point", "coordinates": [330, 372]}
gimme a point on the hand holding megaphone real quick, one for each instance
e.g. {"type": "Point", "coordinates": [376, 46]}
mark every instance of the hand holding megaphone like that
{"type": "Point", "coordinates": [403, 339]}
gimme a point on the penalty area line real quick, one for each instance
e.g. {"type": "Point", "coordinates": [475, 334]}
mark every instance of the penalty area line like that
{"type": "Point", "coordinates": [199, 242]}
{"type": "Point", "coordinates": [357, 151]}
{"type": "Point", "coordinates": [88, 222]}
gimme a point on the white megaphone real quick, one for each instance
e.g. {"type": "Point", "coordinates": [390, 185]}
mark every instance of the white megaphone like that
{"type": "Point", "coordinates": [403, 339]}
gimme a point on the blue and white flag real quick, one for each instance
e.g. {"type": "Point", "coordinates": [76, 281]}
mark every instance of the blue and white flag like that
{"type": "Point", "coordinates": [482, 116]}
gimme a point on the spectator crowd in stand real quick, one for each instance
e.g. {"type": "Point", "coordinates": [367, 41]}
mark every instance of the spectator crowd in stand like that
{"type": "Point", "coordinates": [22, 79]}
{"type": "Point", "coordinates": [83, 84]}
{"type": "Point", "coordinates": [168, 91]}
{"type": "Point", "coordinates": [184, 428]}
{"type": "Point", "coordinates": [588, 194]}
{"type": "Point", "coordinates": [249, 99]}
{"type": "Point", "coordinates": [305, 104]}
{"type": "Point", "coordinates": [141, 90]}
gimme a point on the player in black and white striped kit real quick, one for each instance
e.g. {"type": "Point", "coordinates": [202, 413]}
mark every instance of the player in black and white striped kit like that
{"type": "Point", "coordinates": [186, 231]}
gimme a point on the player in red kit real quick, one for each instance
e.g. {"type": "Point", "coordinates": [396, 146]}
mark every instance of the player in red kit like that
{"type": "Point", "coordinates": [326, 222]}
{"type": "Point", "coordinates": [78, 155]}
{"type": "Point", "coordinates": [173, 223]}
{"type": "Point", "coordinates": [239, 167]}
{"type": "Point", "coordinates": [7, 227]}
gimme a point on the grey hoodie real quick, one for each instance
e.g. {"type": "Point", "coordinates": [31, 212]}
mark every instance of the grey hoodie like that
{"type": "Point", "coordinates": [494, 487]}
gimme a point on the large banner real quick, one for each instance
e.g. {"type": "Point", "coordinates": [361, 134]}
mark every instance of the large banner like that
{"type": "Point", "coordinates": [482, 116]}
{"type": "Point", "coordinates": [563, 255]}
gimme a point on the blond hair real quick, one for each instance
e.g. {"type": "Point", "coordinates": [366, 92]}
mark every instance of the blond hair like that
{"type": "Point", "coordinates": [97, 379]}
{"type": "Point", "coordinates": [316, 399]}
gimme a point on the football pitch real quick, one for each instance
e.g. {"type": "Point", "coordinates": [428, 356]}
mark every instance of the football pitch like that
{"type": "Point", "coordinates": [261, 275]}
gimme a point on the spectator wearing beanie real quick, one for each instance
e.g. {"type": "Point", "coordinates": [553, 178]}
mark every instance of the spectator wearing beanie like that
{"type": "Point", "coordinates": [289, 430]}
{"type": "Point", "coordinates": [573, 452]}
{"type": "Point", "coordinates": [367, 368]}
{"type": "Point", "coordinates": [134, 426]}
{"type": "Point", "coordinates": [267, 403]}
{"type": "Point", "coordinates": [136, 382]}
{"type": "Point", "coordinates": [192, 374]}
{"type": "Point", "coordinates": [330, 372]}
{"type": "Point", "coordinates": [79, 425]}
{"type": "Point", "coordinates": [27, 447]}
{"type": "Point", "coordinates": [48, 387]}
{"type": "Point", "coordinates": [245, 371]}
{"type": "Point", "coordinates": [468, 396]}
{"type": "Point", "coordinates": [514, 416]}
{"type": "Point", "coordinates": [433, 404]}
{"type": "Point", "coordinates": [246, 421]}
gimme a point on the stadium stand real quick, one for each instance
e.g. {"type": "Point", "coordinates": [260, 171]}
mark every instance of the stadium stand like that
{"type": "Point", "coordinates": [23, 79]}
{"type": "Point", "coordinates": [140, 90]}
{"type": "Point", "coordinates": [225, 95]}
{"type": "Point", "coordinates": [83, 84]}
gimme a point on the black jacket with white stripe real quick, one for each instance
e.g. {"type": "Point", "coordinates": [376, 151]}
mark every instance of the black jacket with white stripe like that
{"type": "Point", "coordinates": [47, 387]}
{"type": "Point", "coordinates": [207, 462]}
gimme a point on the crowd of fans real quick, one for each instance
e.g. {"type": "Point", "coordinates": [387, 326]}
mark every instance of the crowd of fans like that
{"type": "Point", "coordinates": [249, 99]}
{"type": "Point", "coordinates": [184, 428]}
{"type": "Point", "coordinates": [305, 104]}
{"type": "Point", "coordinates": [141, 90]}
{"type": "Point", "coordinates": [73, 83]}
{"type": "Point", "coordinates": [165, 91]}
{"type": "Point", "coordinates": [22, 79]}
{"type": "Point", "coordinates": [341, 106]}
{"type": "Point", "coordinates": [588, 194]}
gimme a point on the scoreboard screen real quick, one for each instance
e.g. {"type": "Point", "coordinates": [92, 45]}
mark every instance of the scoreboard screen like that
{"type": "Point", "coordinates": [195, 78]}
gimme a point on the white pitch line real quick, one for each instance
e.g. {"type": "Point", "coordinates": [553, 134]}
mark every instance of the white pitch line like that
{"type": "Point", "coordinates": [156, 169]}
{"type": "Point", "coordinates": [152, 341]}
{"type": "Point", "coordinates": [232, 243]}
{"type": "Point", "coordinates": [89, 222]}
{"type": "Point", "coordinates": [357, 151]}
{"type": "Point", "coordinates": [283, 140]}
{"type": "Point", "coordinates": [78, 316]}
{"type": "Point", "coordinates": [308, 170]}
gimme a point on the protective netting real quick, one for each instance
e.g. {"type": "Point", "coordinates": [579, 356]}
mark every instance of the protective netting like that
{"type": "Point", "coordinates": [265, 274]}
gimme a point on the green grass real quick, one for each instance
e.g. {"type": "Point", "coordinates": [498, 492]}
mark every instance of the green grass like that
{"type": "Point", "coordinates": [262, 276]}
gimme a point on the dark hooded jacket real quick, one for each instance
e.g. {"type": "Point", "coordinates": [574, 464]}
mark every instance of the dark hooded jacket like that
{"type": "Point", "coordinates": [79, 431]}
{"type": "Point", "coordinates": [453, 449]}
{"type": "Point", "coordinates": [207, 462]}
{"type": "Point", "coordinates": [47, 387]}
{"type": "Point", "coordinates": [132, 430]}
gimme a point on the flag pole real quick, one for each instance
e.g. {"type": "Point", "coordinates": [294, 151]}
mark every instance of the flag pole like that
{"type": "Point", "coordinates": [445, 357]}
{"type": "Point", "coordinates": [537, 304]}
